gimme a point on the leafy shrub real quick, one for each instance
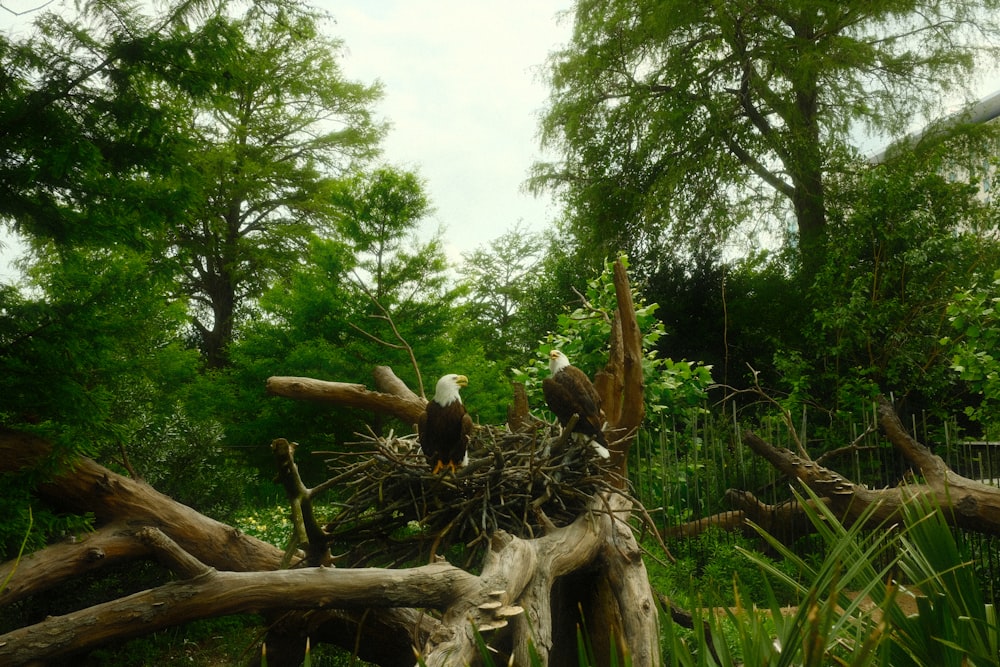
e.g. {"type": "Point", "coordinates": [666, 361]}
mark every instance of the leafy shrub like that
{"type": "Point", "coordinates": [713, 561]}
{"type": "Point", "coordinates": [673, 388]}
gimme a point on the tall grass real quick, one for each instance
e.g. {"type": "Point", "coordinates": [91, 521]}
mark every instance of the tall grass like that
{"type": "Point", "coordinates": [849, 611]}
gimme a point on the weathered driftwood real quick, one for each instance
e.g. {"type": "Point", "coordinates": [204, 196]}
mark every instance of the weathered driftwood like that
{"type": "Point", "coordinates": [536, 581]}
{"type": "Point", "coordinates": [965, 502]}
{"type": "Point", "coordinates": [128, 507]}
{"type": "Point", "coordinates": [108, 545]}
{"type": "Point", "coordinates": [514, 570]}
{"type": "Point", "coordinates": [90, 487]}
{"type": "Point", "coordinates": [206, 592]}
{"type": "Point", "coordinates": [400, 403]}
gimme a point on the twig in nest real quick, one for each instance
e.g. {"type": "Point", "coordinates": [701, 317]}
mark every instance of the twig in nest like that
{"type": "Point", "coordinates": [521, 483]}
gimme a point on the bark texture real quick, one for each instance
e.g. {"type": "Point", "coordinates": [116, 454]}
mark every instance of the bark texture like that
{"type": "Point", "coordinates": [966, 503]}
{"type": "Point", "coordinates": [516, 584]}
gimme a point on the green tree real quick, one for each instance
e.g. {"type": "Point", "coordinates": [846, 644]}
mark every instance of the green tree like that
{"type": "Point", "coordinates": [91, 355]}
{"type": "Point", "coordinates": [368, 297]}
{"type": "Point", "coordinates": [213, 140]}
{"type": "Point", "coordinates": [85, 155]}
{"type": "Point", "coordinates": [277, 125]}
{"type": "Point", "coordinates": [399, 289]}
{"type": "Point", "coordinates": [975, 337]}
{"type": "Point", "coordinates": [562, 270]}
{"type": "Point", "coordinates": [904, 241]}
{"type": "Point", "coordinates": [499, 276]}
{"type": "Point", "coordinates": [678, 119]}
{"type": "Point", "coordinates": [378, 213]}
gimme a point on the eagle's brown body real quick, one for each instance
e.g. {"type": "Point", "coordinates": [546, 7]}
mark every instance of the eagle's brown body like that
{"type": "Point", "coordinates": [445, 426]}
{"type": "Point", "coordinates": [568, 391]}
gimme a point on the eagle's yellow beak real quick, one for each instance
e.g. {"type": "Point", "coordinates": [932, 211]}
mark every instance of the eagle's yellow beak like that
{"type": "Point", "coordinates": [462, 381]}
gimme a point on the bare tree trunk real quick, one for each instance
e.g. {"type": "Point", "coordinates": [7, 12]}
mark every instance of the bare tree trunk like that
{"type": "Point", "coordinates": [406, 406]}
{"type": "Point", "coordinates": [108, 545]}
{"type": "Point", "coordinates": [515, 569]}
{"type": "Point", "coordinates": [89, 487]}
{"type": "Point", "coordinates": [127, 506]}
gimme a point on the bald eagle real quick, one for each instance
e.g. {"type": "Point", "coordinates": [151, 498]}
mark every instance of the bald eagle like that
{"type": "Point", "coordinates": [569, 391]}
{"type": "Point", "coordinates": [444, 427]}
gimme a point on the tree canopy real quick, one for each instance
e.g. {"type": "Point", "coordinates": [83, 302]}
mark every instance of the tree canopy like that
{"type": "Point", "coordinates": [678, 120]}
{"type": "Point", "coordinates": [277, 126]}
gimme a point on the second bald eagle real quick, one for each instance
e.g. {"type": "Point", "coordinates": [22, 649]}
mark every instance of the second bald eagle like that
{"type": "Point", "coordinates": [444, 427]}
{"type": "Point", "coordinates": [569, 391]}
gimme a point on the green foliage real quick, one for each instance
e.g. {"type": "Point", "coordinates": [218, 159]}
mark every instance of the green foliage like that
{"type": "Point", "coordinates": [96, 325]}
{"type": "Point", "coordinates": [902, 242]}
{"type": "Point", "coordinates": [677, 122]}
{"type": "Point", "coordinates": [91, 352]}
{"type": "Point", "coordinates": [377, 213]}
{"type": "Point", "coordinates": [20, 551]}
{"type": "Point", "coordinates": [214, 479]}
{"type": "Point", "coordinates": [732, 315]}
{"type": "Point", "coordinates": [975, 323]}
{"type": "Point", "coordinates": [203, 643]}
{"type": "Point", "coordinates": [85, 156]}
{"type": "Point", "coordinates": [28, 525]}
{"type": "Point", "coordinates": [672, 388]}
{"type": "Point", "coordinates": [833, 624]}
{"type": "Point", "coordinates": [272, 524]}
{"type": "Point", "coordinates": [499, 278]}
{"type": "Point", "coordinates": [710, 563]}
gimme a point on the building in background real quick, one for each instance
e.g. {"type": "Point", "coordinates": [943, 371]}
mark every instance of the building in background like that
{"type": "Point", "coordinates": [979, 165]}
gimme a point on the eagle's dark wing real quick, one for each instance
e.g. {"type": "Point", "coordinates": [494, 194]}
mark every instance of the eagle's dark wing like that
{"type": "Point", "coordinates": [444, 433]}
{"type": "Point", "coordinates": [571, 392]}
{"type": "Point", "coordinates": [428, 443]}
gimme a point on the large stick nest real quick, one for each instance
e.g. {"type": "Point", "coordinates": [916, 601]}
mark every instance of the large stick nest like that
{"type": "Point", "coordinates": [398, 512]}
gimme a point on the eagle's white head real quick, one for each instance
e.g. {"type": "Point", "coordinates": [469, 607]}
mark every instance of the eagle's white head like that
{"type": "Point", "coordinates": [557, 361]}
{"type": "Point", "coordinates": [447, 388]}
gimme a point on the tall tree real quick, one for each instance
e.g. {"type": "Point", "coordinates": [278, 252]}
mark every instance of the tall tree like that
{"type": "Point", "coordinates": [396, 275]}
{"type": "Point", "coordinates": [678, 117]}
{"type": "Point", "coordinates": [377, 213]}
{"type": "Point", "coordinates": [500, 275]}
{"type": "Point", "coordinates": [213, 139]}
{"type": "Point", "coordinates": [279, 125]}
{"type": "Point", "coordinates": [911, 240]}
{"type": "Point", "coordinates": [85, 155]}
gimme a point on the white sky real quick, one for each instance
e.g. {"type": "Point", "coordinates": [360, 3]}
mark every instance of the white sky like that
{"type": "Point", "coordinates": [462, 93]}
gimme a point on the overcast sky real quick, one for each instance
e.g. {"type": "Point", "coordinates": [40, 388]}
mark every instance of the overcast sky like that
{"type": "Point", "coordinates": [463, 93]}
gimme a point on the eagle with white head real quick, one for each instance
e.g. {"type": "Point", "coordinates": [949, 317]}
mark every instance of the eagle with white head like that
{"type": "Point", "coordinates": [568, 391]}
{"type": "Point", "coordinates": [445, 425]}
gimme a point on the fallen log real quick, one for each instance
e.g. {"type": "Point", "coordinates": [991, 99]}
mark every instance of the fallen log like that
{"type": "Point", "coordinates": [966, 503]}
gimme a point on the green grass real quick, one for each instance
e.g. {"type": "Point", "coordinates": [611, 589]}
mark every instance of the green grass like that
{"type": "Point", "coordinates": [832, 625]}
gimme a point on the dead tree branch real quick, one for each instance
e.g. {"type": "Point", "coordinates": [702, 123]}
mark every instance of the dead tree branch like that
{"type": "Point", "coordinates": [514, 570]}
{"type": "Point", "coordinates": [307, 530]}
{"type": "Point", "coordinates": [124, 506]}
{"type": "Point", "coordinates": [40, 571]}
{"type": "Point", "coordinates": [345, 394]}
{"type": "Point", "coordinates": [966, 503]}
